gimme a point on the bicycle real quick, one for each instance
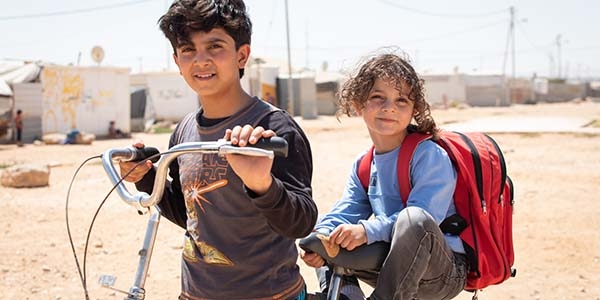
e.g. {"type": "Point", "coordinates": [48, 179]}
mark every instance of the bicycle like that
{"type": "Point", "coordinates": [147, 204]}
{"type": "Point", "coordinates": [342, 261]}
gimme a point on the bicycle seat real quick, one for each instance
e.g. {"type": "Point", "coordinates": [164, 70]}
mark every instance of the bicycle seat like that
{"type": "Point", "coordinates": [364, 257]}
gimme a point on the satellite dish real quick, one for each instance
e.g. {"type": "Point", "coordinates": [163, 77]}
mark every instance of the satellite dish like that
{"type": "Point", "coordinates": [97, 54]}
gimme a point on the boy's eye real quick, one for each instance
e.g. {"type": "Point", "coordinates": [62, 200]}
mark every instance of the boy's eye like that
{"type": "Point", "coordinates": [186, 49]}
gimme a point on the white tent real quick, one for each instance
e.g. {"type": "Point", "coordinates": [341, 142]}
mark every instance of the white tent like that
{"type": "Point", "coordinates": [12, 71]}
{"type": "Point", "coordinates": [5, 89]}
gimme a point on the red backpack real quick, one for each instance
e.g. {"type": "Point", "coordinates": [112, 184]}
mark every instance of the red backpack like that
{"type": "Point", "coordinates": [483, 198]}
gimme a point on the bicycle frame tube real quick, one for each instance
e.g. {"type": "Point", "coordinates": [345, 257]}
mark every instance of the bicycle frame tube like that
{"type": "Point", "coordinates": [137, 291]}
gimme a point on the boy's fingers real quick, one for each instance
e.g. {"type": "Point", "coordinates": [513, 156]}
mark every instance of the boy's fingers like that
{"type": "Point", "coordinates": [227, 134]}
{"type": "Point", "coordinates": [333, 237]}
{"type": "Point", "coordinates": [257, 133]}
{"type": "Point", "coordinates": [139, 144]}
{"type": "Point", "coordinates": [235, 135]}
{"type": "Point", "coordinates": [245, 135]}
{"type": "Point", "coordinates": [268, 133]}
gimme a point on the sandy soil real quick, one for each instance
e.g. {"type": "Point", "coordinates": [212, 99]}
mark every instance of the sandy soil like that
{"type": "Point", "coordinates": [556, 176]}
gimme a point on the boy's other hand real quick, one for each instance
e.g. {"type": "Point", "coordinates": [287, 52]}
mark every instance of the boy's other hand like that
{"type": "Point", "coordinates": [254, 171]}
{"type": "Point", "coordinates": [348, 236]}
{"type": "Point", "coordinates": [138, 173]}
{"type": "Point", "coordinates": [312, 259]}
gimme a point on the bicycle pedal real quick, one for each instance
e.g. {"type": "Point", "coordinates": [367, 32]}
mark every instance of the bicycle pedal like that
{"type": "Point", "coordinates": [107, 280]}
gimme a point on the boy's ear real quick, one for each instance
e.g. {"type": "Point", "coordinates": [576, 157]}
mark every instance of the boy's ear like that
{"type": "Point", "coordinates": [357, 109]}
{"type": "Point", "coordinates": [243, 54]}
{"type": "Point", "coordinates": [176, 59]}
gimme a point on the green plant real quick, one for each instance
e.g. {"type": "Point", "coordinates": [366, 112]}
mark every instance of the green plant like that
{"type": "Point", "coordinates": [594, 123]}
{"type": "Point", "coordinates": [530, 134]}
{"type": "Point", "coordinates": [160, 130]}
{"type": "Point", "coordinates": [4, 165]}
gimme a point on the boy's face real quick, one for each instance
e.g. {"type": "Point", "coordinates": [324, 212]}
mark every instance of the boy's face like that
{"type": "Point", "coordinates": [387, 112]}
{"type": "Point", "coordinates": [210, 63]}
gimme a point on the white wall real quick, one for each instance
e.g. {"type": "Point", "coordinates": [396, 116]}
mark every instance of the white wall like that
{"type": "Point", "coordinates": [169, 95]}
{"type": "Point", "coordinates": [84, 98]}
{"type": "Point", "coordinates": [436, 86]}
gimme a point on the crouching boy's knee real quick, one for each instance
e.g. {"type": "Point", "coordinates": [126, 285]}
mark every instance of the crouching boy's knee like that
{"type": "Point", "coordinates": [414, 221]}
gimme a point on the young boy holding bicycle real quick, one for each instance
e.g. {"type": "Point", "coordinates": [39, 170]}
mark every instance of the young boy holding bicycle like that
{"type": "Point", "coordinates": [242, 214]}
{"type": "Point", "coordinates": [423, 263]}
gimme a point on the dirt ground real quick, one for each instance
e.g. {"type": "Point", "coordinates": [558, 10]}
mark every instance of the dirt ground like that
{"type": "Point", "coordinates": [556, 223]}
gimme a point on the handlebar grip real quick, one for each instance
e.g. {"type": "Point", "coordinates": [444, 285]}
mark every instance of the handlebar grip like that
{"type": "Point", "coordinates": [277, 144]}
{"type": "Point", "coordinates": [144, 153]}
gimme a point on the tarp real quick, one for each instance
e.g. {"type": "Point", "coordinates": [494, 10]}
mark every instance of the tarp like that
{"type": "Point", "coordinates": [5, 89]}
{"type": "Point", "coordinates": [12, 72]}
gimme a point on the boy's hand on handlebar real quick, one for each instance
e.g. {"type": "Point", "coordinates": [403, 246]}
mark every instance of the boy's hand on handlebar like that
{"type": "Point", "coordinates": [140, 170]}
{"type": "Point", "coordinates": [348, 236]}
{"type": "Point", "coordinates": [312, 259]}
{"type": "Point", "coordinates": [254, 171]}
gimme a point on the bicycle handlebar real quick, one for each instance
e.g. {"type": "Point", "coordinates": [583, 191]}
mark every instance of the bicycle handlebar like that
{"type": "Point", "coordinates": [268, 147]}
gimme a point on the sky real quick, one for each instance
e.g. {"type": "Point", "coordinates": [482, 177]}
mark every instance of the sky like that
{"type": "Point", "coordinates": [551, 38]}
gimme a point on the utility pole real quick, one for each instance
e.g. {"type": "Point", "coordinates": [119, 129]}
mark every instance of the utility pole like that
{"type": "Point", "coordinates": [168, 48]}
{"type": "Point", "coordinates": [512, 30]}
{"type": "Point", "coordinates": [290, 79]}
{"type": "Point", "coordinates": [510, 39]}
{"type": "Point", "coordinates": [307, 47]}
{"type": "Point", "coordinates": [558, 53]}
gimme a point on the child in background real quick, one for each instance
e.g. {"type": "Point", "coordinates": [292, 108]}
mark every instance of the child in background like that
{"type": "Point", "coordinates": [19, 127]}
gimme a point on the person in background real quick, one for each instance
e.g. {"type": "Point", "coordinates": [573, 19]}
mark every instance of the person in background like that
{"type": "Point", "coordinates": [113, 131]}
{"type": "Point", "coordinates": [19, 127]}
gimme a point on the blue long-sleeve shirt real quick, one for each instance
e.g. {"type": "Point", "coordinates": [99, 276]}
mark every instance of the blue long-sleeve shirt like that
{"type": "Point", "coordinates": [433, 179]}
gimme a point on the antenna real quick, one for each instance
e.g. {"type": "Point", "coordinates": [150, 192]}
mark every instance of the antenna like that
{"type": "Point", "coordinates": [97, 54]}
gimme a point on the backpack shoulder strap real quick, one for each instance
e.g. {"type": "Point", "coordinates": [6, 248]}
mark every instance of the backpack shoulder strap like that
{"type": "Point", "coordinates": [407, 149]}
{"type": "Point", "coordinates": [364, 168]}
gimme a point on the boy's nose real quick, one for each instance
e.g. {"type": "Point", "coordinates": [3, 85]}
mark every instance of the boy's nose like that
{"type": "Point", "coordinates": [388, 104]}
{"type": "Point", "coordinates": [202, 58]}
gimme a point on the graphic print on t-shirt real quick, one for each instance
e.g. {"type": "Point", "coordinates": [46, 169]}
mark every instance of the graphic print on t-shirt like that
{"type": "Point", "coordinates": [199, 175]}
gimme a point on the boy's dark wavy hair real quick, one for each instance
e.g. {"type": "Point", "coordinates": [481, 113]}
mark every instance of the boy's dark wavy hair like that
{"type": "Point", "coordinates": [185, 17]}
{"type": "Point", "coordinates": [395, 70]}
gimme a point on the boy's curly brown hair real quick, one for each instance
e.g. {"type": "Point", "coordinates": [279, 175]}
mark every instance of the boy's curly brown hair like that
{"type": "Point", "coordinates": [394, 70]}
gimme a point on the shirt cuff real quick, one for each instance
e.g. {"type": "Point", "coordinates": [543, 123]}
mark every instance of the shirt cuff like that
{"type": "Point", "coordinates": [270, 198]}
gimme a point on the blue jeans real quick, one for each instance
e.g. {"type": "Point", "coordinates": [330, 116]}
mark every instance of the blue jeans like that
{"type": "Point", "coordinates": [420, 264]}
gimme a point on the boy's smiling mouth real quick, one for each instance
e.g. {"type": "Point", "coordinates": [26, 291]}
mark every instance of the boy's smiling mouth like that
{"type": "Point", "coordinates": [204, 76]}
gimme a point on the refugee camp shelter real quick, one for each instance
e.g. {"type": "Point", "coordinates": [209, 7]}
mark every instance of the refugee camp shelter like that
{"type": "Point", "coordinates": [12, 74]}
{"type": "Point", "coordinates": [68, 98]}
{"type": "Point", "coordinates": [304, 91]}
{"type": "Point", "coordinates": [167, 96]}
{"type": "Point", "coordinates": [475, 90]}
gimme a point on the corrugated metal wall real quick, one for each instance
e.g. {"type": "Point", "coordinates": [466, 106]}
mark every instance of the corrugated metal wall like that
{"type": "Point", "coordinates": [28, 98]}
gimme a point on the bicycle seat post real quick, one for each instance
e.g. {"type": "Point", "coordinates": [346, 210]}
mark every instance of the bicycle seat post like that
{"type": "Point", "coordinates": [336, 283]}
